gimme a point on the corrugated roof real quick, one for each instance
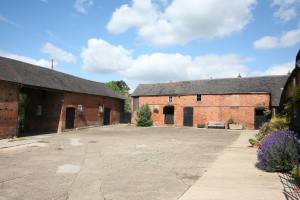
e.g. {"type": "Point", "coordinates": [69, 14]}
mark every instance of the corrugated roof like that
{"type": "Point", "coordinates": [32, 75]}
{"type": "Point", "coordinates": [264, 84]}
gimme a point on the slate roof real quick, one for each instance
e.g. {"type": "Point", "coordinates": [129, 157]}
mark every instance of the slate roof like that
{"type": "Point", "coordinates": [264, 84]}
{"type": "Point", "coordinates": [32, 75]}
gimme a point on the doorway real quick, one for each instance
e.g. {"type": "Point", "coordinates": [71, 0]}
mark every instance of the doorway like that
{"type": "Point", "coordinates": [260, 118]}
{"type": "Point", "coordinates": [106, 118]}
{"type": "Point", "coordinates": [70, 117]}
{"type": "Point", "coordinates": [188, 113]}
{"type": "Point", "coordinates": [169, 115]}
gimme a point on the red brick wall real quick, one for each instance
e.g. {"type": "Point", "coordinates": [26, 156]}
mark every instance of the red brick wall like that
{"type": "Point", "coordinates": [91, 115]}
{"type": "Point", "coordinates": [9, 96]}
{"type": "Point", "coordinates": [211, 108]}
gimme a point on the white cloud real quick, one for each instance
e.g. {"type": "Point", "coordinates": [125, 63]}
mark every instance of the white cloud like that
{"type": "Point", "coordinates": [57, 53]}
{"type": "Point", "coordinates": [287, 39]}
{"type": "Point", "coordinates": [8, 21]}
{"type": "Point", "coordinates": [286, 9]}
{"type": "Point", "coordinates": [280, 69]}
{"type": "Point", "coordinates": [102, 57]}
{"type": "Point", "coordinates": [82, 5]}
{"type": "Point", "coordinates": [286, 14]}
{"type": "Point", "coordinates": [39, 62]}
{"type": "Point", "coordinates": [182, 21]}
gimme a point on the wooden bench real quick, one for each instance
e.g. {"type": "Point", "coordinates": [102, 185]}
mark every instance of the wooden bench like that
{"type": "Point", "coordinates": [219, 124]}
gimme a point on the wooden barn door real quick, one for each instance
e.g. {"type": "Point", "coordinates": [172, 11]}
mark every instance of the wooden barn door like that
{"type": "Point", "coordinates": [188, 113]}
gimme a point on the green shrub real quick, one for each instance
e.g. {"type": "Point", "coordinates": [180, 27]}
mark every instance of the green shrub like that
{"type": "Point", "coordinates": [230, 121]}
{"type": "Point", "coordinates": [276, 123]}
{"type": "Point", "coordinates": [144, 116]}
{"type": "Point", "coordinates": [201, 125]}
{"type": "Point", "coordinates": [252, 141]}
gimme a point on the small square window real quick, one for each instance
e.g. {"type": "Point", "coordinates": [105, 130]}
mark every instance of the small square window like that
{"type": "Point", "coordinates": [170, 99]}
{"type": "Point", "coordinates": [198, 97]}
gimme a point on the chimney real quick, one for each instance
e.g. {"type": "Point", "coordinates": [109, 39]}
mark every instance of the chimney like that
{"type": "Point", "coordinates": [52, 67]}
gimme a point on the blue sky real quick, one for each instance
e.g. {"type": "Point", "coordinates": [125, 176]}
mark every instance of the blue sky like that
{"type": "Point", "coordinates": [143, 41]}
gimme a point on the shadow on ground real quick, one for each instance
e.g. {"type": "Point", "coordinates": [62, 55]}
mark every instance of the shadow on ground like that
{"type": "Point", "coordinates": [290, 189]}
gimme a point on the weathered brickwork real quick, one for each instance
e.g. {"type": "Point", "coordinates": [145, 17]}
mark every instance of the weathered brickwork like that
{"type": "Point", "coordinates": [241, 107]}
{"type": "Point", "coordinates": [8, 109]}
{"type": "Point", "coordinates": [91, 115]}
{"type": "Point", "coordinates": [52, 114]}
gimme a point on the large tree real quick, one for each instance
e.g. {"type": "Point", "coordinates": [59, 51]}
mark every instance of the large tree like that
{"type": "Point", "coordinates": [122, 88]}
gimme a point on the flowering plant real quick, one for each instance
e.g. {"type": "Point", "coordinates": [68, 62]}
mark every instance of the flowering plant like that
{"type": "Point", "coordinates": [278, 151]}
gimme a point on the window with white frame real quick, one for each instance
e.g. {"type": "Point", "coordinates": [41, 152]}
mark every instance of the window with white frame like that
{"type": "Point", "coordinates": [170, 99]}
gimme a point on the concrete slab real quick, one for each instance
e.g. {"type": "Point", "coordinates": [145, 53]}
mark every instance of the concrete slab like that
{"type": "Point", "coordinates": [118, 163]}
{"type": "Point", "coordinates": [234, 176]}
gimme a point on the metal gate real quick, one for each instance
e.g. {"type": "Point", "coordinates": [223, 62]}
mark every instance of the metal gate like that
{"type": "Point", "coordinates": [188, 113]}
{"type": "Point", "coordinates": [169, 118]}
{"type": "Point", "coordinates": [169, 114]}
{"type": "Point", "coordinates": [125, 118]}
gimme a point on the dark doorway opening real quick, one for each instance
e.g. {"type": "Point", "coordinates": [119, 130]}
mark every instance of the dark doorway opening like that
{"type": "Point", "coordinates": [188, 113]}
{"type": "Point", "coordinates": [70, 117]}
{"type": "Point", "coordinates": [39, 111]}
{"type": "Point", "coordinates": [169, 114]}
{"type": "Point", "coordinates": [260, 118]}
{"type": "Point", "coordinates": [106, 119]}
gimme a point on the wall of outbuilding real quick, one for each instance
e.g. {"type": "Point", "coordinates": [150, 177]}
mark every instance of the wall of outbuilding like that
{"type": "Point", "coordinates": [54, 106]}
{"type": "Point", "coordinates": [90, 115]}
{"type": "Point", "coordinates": [9, 96]}
{"type": "Point", "coordinates": [241, 107]}
{"type": "Point", "coordinates": [48, 119]}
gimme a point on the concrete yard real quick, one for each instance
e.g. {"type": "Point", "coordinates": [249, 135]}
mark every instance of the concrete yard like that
{"type": "Point", "coordinates": [111, 163]}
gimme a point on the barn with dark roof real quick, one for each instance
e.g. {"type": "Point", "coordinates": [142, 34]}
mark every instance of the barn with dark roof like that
{"type": "Point", "coordinates": [200, 102]}
{"type": "Point", "coordinates": [35, 99]}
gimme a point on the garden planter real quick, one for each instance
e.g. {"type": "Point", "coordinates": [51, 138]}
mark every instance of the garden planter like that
{"type": "Point", "coordinates": [235, 126]}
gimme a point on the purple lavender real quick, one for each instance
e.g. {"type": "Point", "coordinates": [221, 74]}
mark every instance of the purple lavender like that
{"type": "Point", "coordinates": [278, 151]}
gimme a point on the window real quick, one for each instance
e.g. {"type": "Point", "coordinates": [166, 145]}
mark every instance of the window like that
{"type": "Point", "coordinates": [80, 108]}
{"type": "Point", "coordinates": [198, 97]}
{"type": "Point", "coordinates": [100, 109]}
{"type": "Point", "coordinates": [170, 99]}
{"type": "Point", "coordinates": [135, 103]}
{"type": "Point", "coordinates": [39, 110]}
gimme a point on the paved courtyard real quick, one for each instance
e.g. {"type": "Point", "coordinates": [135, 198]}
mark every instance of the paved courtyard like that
{"type": "Point", "coordinates": [111, 163]}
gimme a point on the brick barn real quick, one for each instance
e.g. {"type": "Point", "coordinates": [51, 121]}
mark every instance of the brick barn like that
{"type": "Point", "coordinates": [189, 103]}
{"type": "Point", "coordinates": [34, 99]}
